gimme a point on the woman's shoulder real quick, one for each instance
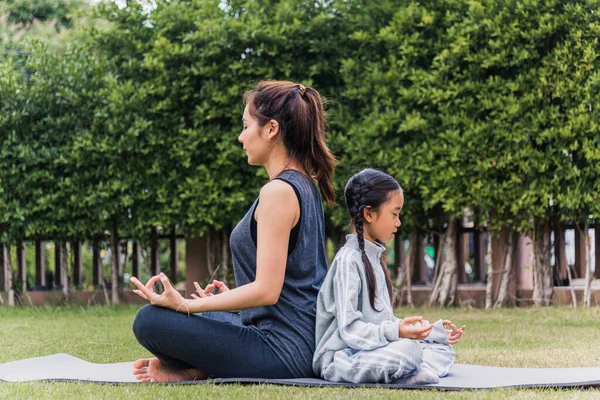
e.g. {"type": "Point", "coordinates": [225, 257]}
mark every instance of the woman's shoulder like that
{"type": "Point", "coordinates": [277, 190]}
{"type": "Point", "coordinates": [277, 202]}
{"type": "Point", "coordinates": [302, 183]}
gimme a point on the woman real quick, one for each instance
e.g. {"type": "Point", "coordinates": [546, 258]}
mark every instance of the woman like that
{"type": "Point", "coordinates": [279, 258]}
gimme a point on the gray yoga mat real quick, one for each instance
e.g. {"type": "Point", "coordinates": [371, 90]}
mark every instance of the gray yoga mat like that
{"type": "Point", "coordinates": [63, 367]}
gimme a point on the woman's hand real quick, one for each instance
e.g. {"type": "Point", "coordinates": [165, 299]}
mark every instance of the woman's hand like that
{"type": "Point", "coordinates": [409, 331]}
{"type": "Point", "coordinates": [453, 333]}
{"type": "Point", "coordinates": [170, 298]}
{"type": "Point", "coordinates": [208, 289]}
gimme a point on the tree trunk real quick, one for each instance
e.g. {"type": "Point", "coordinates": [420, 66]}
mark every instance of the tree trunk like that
{"type": "Point", "coordinates": [97, 278]}
{"type": "Point", "coordinates": [154, 253]}
{"type": "Point", "coordinates": [174, 256]}
{"type": "Point", "coordinates": [40, 265]}
{"type": "Point", "coordinates": [225, 252]}
{"type": "Point", "coordinates": [76, 265]}
{"type": "Point", "coordinates": [561, 257]}
{"type": "Point", "coordinates": [21, 268]}
{"type": "Point", "coordinates": [439, 256]}
{"type": "Point", "coordinates": [490, 275]}
{"type": "Point", "coordinates": [6, 274]}
{"type": "Point", "coordinates": [146, 255]}
{"type": "Point", "coordinates": [572, 289]}
{"type": "Point", "coordinates": [136, 258]}
{"type": "Point", "coordinates": [63, 270]}
{"type": "Point", "coordinates": [587, 294]}
{"type": "Point", "coordinates": [114, 241]}
{"type": "Point", "coordinates": [400, 267]}
{"type": "Point", "coordinates": [444, 287]}
{"type": "Point", "coordinates": [542, 267]}
{"type": "Point", "coordinates": [210, 254]}
{"type": "Point", "coordinates": [506, 271]}
{"type": "Point", "coordinates": [124, 261]}
{"type": "Point", "coordinates": [410, 263]}
{"type": "Point", "coordinates": [217, 256]}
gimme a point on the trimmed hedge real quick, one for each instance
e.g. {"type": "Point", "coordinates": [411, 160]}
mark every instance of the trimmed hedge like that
{"type": "Point", "coordinates": [488, 105]}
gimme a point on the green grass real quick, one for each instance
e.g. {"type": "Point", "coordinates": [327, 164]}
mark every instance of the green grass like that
{"type": "Point", "coordinates": [552, 337]}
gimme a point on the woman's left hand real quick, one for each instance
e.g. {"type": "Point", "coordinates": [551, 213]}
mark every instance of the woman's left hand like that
{"type": "Point", "coordinates": [170, 298]}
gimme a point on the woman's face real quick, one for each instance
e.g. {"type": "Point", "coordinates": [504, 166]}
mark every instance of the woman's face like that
{"type": "Point", "coordinates": [255, 139]}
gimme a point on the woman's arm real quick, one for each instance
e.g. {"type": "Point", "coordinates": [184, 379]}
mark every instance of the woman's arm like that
{"type": "Point", "coordinates": [277, 212]}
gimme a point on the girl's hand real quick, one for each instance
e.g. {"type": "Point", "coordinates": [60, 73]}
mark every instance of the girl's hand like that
{"type": "Point", "coordinates": [170, 298]}
{"type": "Point", "coordinates": [409, 331]}
{"type": "Point", "coordinates": [453, 333]}
{"type": "Point", "coordinates": [208, 289]}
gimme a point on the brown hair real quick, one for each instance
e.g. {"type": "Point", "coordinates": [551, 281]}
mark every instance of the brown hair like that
{"type": "Point", "coordinates": [301, 117]}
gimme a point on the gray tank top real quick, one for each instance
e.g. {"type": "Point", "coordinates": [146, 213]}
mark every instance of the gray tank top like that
{"type": "Point", "coordinates": [289, 325]}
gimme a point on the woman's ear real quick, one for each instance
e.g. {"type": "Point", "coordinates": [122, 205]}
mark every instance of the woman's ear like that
{"type": "Point", "coordinates": [368, 214]}
{"type": "Point", "coordinates": [273, 129]}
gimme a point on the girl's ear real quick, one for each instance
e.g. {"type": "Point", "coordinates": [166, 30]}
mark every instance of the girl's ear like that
{"type": "Point", "coordinates": [368, 214]}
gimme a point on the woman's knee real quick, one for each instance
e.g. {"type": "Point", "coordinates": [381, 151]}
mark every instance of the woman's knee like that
{"type": "Point", "coordinates": [145, 320]}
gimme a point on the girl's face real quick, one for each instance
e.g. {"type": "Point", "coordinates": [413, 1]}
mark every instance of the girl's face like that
{"type": "Point", "coordinates": [382, 224]}
{"type": "Point", "coordinates": [257, 141]}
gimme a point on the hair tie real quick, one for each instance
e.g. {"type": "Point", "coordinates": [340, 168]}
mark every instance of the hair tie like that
{"type": "Point", "coordinates": [302, 89]}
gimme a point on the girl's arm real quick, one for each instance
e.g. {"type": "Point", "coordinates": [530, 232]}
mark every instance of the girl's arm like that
{"type": "Point", "coordinates": [277, 212]}
{"type": "Point", "coordinates": [357, 333]}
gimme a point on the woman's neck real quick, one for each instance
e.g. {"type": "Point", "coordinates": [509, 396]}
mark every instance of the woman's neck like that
{"type": "Point", "coordinates": [280, 161]}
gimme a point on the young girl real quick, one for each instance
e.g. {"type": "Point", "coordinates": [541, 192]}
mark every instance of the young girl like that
{"type": "Point", "coordinates": [358, 337]}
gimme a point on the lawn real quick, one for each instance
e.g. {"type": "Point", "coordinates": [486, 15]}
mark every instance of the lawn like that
{"type": "Point", "coordinates": [552, 337]}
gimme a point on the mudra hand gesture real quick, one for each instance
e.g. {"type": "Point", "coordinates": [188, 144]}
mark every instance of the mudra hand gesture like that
{"type": "Point", "coordinates": [206, 292]}
{"type": "Point", "coordinates": [453, 333]}
{"type": "Point", "coordinates": [409, 329]}
{"type": "Point", "coordinates": [170, 298]}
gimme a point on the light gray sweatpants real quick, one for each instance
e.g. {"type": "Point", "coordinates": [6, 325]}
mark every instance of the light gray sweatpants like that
{"type": "Point", "coordinates": [399, 359]}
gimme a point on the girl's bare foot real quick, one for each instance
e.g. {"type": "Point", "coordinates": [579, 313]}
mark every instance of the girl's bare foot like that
{"type": "Point", "coordinates": [152, 370]}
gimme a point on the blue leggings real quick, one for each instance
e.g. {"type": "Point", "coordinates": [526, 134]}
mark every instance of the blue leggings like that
{"type": "Point", "coordinates": [216, 343]}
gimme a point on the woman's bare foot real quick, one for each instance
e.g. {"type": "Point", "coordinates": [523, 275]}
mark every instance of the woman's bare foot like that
{"type": "Point", "coordinates": [152, 370]}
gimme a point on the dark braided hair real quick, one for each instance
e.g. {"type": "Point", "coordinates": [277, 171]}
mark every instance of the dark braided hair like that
{"type": "Point", "coordinates": [369, 187]}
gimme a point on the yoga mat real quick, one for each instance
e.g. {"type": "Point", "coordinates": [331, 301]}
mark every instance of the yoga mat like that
{"type": "Point", "coordinates": [63, 367]}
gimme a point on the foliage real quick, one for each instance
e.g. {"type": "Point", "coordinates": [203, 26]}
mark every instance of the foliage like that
{"type": "Point", "coordinates": [180, 72]}
{"type": "Point", "coordinates": [484, 105]}
{"type": "Point", "coordinates": [48, 21]}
